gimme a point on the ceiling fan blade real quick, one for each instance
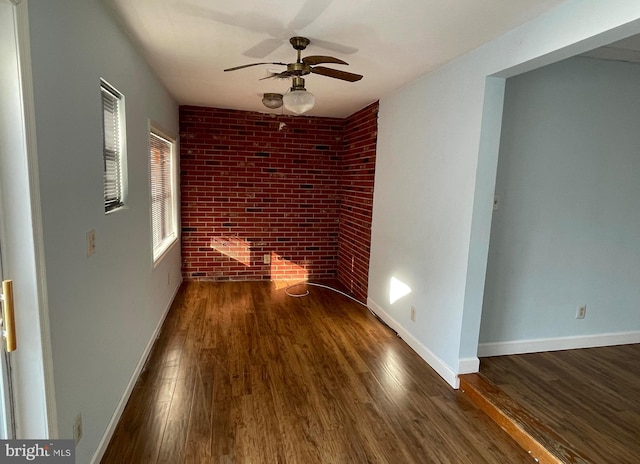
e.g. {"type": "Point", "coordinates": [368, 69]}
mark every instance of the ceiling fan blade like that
{"type": "Point", "coordinates": [251, 21]}
{"type": "Point", "coordinates": [308, 13]}
{"type": "Point", "coordinates": [254, 22]}
{"type": "Point", "coordinates": [252, 64]}
{"type": "Point", "coordinates": [264, 48]}
{"type": "Point", "coordinates": [282, 75]}
{"type": "Point", "coordinates": [318, 59]}
{"type": "Point", "coordinates": [336, 74]}
{"type": "Point", "coordinates": [334, 47]}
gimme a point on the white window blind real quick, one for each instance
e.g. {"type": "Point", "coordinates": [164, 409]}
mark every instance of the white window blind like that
{"type": "Point", "coordinates": [163, 196]}
{"type": "Point", "coordinates": [112, 122]}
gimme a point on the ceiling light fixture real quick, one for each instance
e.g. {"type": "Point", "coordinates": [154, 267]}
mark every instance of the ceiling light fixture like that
{"type": "Point", "coordinates": [272, 100]}
{"type": "Point", "coordinates": [298, 100]}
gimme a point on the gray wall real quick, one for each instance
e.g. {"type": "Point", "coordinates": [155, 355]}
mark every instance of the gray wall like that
{"type": "Point", "coordinates": [567, 232]}
{"type": "Point", "coordinates": [105, 308]}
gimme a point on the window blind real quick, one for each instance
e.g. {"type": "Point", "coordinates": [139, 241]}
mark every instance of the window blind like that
{"type": "Point", "coordinates": [112, 147]}
{"type": "Point", "coordinates": [162, 193]}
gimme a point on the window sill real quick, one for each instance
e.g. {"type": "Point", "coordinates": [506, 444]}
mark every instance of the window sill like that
{"type": "Point", "coordinates": [163, 249]}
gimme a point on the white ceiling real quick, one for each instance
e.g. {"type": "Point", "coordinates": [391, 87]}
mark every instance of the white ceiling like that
{"type": "Point", "coordinates": [391, 42]}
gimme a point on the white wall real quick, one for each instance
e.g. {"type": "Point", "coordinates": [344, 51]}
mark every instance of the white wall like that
{"type": "Point", "coordinates": [103, 309]}
{"type": "Point", "coordinates": [436, 172]}
{"type": "Point", "coordinates": [567, 232]}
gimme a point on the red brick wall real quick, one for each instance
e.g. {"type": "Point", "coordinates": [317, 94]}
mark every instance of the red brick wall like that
{"type": "Point", "coordinates": [250, 188]}
{"type": "Point", "coordinates": [356, 186]}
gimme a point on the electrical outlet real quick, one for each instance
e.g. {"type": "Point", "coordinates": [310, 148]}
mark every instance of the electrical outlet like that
{"type": "Point", "coordinates": [413, 314]}
{"type": "Point", "coordinates": [581, 312]}
{"type": "Point", "coordinates": [91, 242]}
{"type": "Point", "coordinates": [77, 428]}
{"type": "Point", "coordinates": [266, 258]}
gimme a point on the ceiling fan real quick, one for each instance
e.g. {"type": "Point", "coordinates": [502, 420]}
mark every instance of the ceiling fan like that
{"type": "Point", "coordinates": [298, 99]}
{"type": "Point", "coordinates": [263, 22]}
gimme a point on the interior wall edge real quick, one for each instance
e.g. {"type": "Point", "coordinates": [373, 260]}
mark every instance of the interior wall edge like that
{"type": "Point", "coordinates": [482, 214]}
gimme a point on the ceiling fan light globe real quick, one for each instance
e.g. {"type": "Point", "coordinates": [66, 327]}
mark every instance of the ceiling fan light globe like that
{"type": "Point", "coordinates": [299, 101]}
{"type": "Point", "coordinates": [272, 100]}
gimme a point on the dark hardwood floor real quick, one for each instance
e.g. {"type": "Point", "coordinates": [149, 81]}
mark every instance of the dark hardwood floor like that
{"type": "Point", "coordinates": [589, 397]}
{"type": "Point", "coordinates": [242, 373]}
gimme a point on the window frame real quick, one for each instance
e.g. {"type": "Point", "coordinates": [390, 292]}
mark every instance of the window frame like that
{"type": "Point", "coordinates": [171, 237]}
{"type": "Point", "coordinates": [117, 155]}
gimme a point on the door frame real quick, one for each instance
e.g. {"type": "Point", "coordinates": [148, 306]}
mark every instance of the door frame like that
{"type": "Point", "coordinates": [22, 238]}
{"type": "Point", "coordinates": [7, 415]}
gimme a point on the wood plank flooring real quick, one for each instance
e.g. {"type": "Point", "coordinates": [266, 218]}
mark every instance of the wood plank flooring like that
{"type": "Point", "coordinates": [544, 444]}
{"type": "Point", "coordinates": [242, 373]}
{"type": "Point", "coordinates": [589, 397]}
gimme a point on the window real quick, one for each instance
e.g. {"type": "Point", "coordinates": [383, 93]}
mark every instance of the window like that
{"type": "Point", "coordinates": [112, 145]}
{"type": "Point", "coordinates": [163, 193]}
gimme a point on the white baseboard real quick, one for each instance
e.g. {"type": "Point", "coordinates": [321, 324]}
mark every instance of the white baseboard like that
{"type": "Point", "coordinates": [438, 365]}
{"type": "Point", "coordinates": [111, 428]}
{"type": "Point", "coordinates": [468, 365]}
{"type": "Point", "coordinates": [556, 344]}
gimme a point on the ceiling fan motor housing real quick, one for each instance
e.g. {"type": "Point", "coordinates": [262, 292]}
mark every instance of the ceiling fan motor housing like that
{"type": "Point", "coordinates": [299, 43]}
{"type": "Point", "coordinates": [298, 69]}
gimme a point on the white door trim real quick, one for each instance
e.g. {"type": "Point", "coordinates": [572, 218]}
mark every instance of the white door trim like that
{"type": "Point", "coordinates": [23, 243]}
